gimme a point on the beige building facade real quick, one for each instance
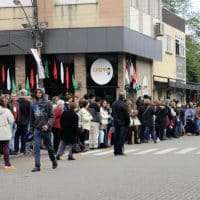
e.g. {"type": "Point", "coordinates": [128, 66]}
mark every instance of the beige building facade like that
{"type": "Point", "coordinates": [170, 73]}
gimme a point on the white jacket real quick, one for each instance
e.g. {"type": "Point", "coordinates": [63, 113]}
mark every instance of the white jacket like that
{"type": "Point", "coordinates": [6, 120]}
{"type": "Point", "coordinates": [104, 116]}
{"type": "Point", "coordinates": [85, 119]}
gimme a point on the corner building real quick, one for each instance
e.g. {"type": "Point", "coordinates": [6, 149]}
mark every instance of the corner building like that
{"type": "Point", "coordinates": [95, 40]}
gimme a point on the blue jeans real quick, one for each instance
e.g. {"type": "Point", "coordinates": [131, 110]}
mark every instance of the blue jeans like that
{"type": "Point", "coordinates": [149, 133]}
{"type": "Point", "coordinates": [46, 136]}
{"type": "Point", "coordinates": [178, 128]}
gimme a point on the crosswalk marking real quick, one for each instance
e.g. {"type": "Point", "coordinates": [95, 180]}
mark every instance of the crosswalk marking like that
{"type": "Point", "coordinates": [146, 151]}
{"type": "Point", "coordinates": [187, 150]}
{"type": "Point", "coordinates": [131, 150]}
{"type": "Point", "coordinates": [104, 153]}
{"type": "Point", "coordinates": [165, 151]}
{"type": "Point", "coordinates": [92, 152]}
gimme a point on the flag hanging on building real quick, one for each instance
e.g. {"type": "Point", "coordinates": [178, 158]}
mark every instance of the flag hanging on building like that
{"type": "Point", "coordinates": [46, 69]}
{"type": "Point", "coordinates": [8, 80]}
{"type": "Point", "coordinates": [127, 80]}
{"type": "Point", "coordinates": [67, 78]}
{"type": "Point", "coordinates": [74, 83]}
{"type": "Point", "coordinates": [14, 88]}
{"type": "Point", "coordinates": [55, 71]}
{"type": "Point", "coordinates": [32, 79]}
{"type": "Point", "coordinates": [62, 73]}
{"type": "Point", "coordinates": [27, 87]}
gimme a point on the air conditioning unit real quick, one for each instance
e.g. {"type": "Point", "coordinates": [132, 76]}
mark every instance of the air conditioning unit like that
{"type": "Point", "coordinates": [159, 29]}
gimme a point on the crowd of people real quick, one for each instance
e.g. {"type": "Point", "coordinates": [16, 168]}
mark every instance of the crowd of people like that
{"type": "Point", "coordinates": [80, 124]}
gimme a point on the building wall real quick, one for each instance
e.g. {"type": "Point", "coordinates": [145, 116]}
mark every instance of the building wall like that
{"type": "Point", "coordinates": [20, 72]}
{"type": "Point", "coordinates": [168, 66]}
{"type": "Point", "coordinates": [80, 73]}
{"type": "Point", "coordinates": [106, 13]}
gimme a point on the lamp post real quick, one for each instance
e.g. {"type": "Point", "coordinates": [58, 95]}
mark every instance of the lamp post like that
{"type": "Point", "coordinates": [36, 29]}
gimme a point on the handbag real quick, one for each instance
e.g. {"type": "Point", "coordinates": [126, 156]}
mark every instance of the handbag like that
{"type": "Point", "coordinates": [136, 121]}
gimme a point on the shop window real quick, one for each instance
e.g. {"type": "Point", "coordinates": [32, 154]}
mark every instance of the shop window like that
{"type": "Point", "coordinates": [7, 63]}
{"type": "Point", "coordinates": [53, 83]}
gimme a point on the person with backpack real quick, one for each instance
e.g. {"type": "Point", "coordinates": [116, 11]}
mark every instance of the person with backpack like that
{"type": "Point", "coordinates": [41, 124]}
{"type": "Point", "coordinates": [6, 119]}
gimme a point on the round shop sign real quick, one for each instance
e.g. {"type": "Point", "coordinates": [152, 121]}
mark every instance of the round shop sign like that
{"type": "Point", "coordinates": [101, 71]}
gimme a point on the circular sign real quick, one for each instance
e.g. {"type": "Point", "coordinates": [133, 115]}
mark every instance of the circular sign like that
{"type": "Point", "coordinates": [101, 71]}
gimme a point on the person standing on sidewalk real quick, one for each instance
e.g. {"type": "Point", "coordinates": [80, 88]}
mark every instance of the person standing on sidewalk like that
{"type": "Point", "coordinates": [41, 124]}
{"type": "Point", "coordinates": [6, 119]}
{"type": "Point", "coordinates": [121, 123]}
{"type": "Point", "coordinates": [69, 131]}
{"type": "Point", "coordinates": [23, 120]}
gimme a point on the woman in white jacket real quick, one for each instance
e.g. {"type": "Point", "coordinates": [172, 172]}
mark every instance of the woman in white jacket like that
{"type": "Point", "coordinates": [85, 119]}
{"type": "Point", "coordinates": [6, 119]}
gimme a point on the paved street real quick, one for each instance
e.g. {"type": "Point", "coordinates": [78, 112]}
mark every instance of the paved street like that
{"type": "Point", "coordinates": [167, 170]}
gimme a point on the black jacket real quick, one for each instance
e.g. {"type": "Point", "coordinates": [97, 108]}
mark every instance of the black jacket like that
{"type": "Point", "coordinates": [69, 126]}
{"type": "Point", "coordinates": [147, 116]}
{"type": "Point", "coordinates": [120, 113]}
{"type": "Point", "coordinates": [95, 112]}
{"type": "Point", "coordinates": [24, 112]}
{"type": "Point", "coordinates": [41, 114]}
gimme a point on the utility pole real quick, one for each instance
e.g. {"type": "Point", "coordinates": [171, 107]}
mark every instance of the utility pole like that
{"type": "Point", "coordinates": [37, 35]}
{"type": "Point", "coordinates": [36, 28]}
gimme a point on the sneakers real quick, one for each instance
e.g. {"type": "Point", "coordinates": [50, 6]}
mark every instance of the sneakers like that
{"type": "Point", "coordinates": [10, 168]}
{"type": "Point", "coordinates": [54, 164]}
{"type": "Point", "coordinates": [36, 169]}
{"type": "Point", "coordinates": [71, 158]}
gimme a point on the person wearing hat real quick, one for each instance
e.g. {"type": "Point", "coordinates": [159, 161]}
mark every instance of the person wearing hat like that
{"type": "Point", "coordinates": [121, 123]}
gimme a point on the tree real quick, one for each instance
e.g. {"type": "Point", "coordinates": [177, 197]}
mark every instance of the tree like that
{"type": "Point", "coordinates": [193, 60]}
{"type": "Point", "coordinates": [177, 6]}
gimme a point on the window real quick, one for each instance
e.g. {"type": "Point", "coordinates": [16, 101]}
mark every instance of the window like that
{"type": "Point", "coordinates": [180, 46]}
{"type": "Point", "coordinates": [168, 43]}
{"type": "Point", "coordinates": [65, 2]}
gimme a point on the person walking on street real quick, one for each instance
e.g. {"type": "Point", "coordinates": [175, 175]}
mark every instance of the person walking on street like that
{"type": "Point", "coordinates": [121, 123]}
{"type": "Point", "coordinates": [23, 120]}
{"type": "Point", "coordinates": [6, 119]}
{"type": "Point", "coordinates": [41, 124]}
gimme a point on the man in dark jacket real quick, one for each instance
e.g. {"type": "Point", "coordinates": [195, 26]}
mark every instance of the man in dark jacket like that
{"type": "Point", "coordinates": [23, 120]}
{"type": "Point", "coordinates": [147, 119]}
{"type": "Point", "coordinates": [41, 123]}
{"type": "Point", "coordinates": [121, 123]}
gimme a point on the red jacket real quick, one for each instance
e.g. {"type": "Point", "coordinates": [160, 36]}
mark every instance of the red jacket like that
{"type": "Point", "coordinates": [57, 116]}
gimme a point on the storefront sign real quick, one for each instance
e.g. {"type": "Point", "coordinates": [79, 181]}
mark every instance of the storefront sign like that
{"type": "Point", "coordinates": [101, 71]}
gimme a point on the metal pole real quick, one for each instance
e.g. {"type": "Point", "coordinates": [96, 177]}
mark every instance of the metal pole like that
{"type": "Point", "coordinates": [37, 35]}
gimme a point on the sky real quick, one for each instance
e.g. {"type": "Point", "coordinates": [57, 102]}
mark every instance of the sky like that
{"type": "Point", "coordinates": [196, 5]}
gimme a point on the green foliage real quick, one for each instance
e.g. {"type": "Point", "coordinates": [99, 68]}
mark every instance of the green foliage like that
{"type": "Point", "coordinates": [193, 60]}
{"type": "Point", "coordinates": [177, 6]}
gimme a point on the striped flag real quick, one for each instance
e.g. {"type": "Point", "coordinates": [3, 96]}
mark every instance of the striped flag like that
{"type": "Point", "coordinates": [8, 80]}
{"type": "Point", "coordinates": [62, 73]}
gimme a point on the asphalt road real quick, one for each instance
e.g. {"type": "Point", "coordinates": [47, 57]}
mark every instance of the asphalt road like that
{"type": "Point", "coordinates": [165, 171]}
